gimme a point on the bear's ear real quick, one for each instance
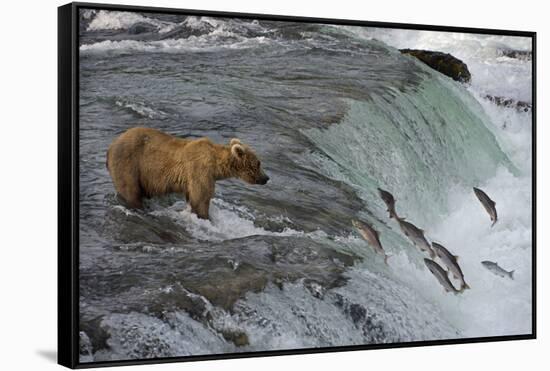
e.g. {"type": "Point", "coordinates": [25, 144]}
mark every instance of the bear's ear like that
{"type": "Point", "coordinates": [237, 150]}
{"type": "Point", "coordinates": [234, 141]}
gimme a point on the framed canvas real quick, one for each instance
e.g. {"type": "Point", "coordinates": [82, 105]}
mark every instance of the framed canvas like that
{"type": "Point", "coordinates": [242, 185]}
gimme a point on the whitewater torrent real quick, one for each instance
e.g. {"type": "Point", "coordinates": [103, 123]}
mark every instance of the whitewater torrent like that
{"type": "Point", "coordinates": [334, 113]}
{"type": "Point", "coordinates": [488, 309]}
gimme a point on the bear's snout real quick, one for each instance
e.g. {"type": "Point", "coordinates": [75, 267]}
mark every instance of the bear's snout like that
{"type": "Point", "coordinates": [263, 179]}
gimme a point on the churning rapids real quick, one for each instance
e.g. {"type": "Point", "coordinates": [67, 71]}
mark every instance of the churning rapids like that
{"type": "Point", "coordinates": [333, 113]}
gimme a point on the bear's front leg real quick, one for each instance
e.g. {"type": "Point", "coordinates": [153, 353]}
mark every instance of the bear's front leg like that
{"type": "Point", "coordinates": [199, 198]}
{"type": "Point", "coordinates": [201, 209]}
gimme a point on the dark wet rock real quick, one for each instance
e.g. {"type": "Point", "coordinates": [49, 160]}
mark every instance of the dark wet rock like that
{"type": "Point", "coordinates": [442, 62]}
{"type": "Point", "coordinates": [315, 288]}
{"type": "Point", "coordinates": [184, 31]}
{"type": "Point", "coordinates": [276, 260]}
{"type": "Point", "coordinates": [141, 28]}
{"type": "Point", "coordinates": [130, 226]}
{"type": "Point", "coordinates": [85, 344]}
{"type": "Point", "coordinates": [373, 328]}
{"type": "Point", "coordinates": [524, 55]}
{"type": "Point", "coordinates": [95, 335]}
{"type": "Point", "coordinates": [85, 17]}
{"type": "Point", "coordinates": [273, 225]}
{"type": "Point", "coordinates": [292, 30]}
{"type": "Point", "coordinates": [357, 313]}
{"type": "Point", "coordinates": [199, 309]}
{"type": "Point", "coordinates": [136, 336]}
{"type": "Point", "coordinates": [518, 105]}
{"type": "Point", "coordinates": [258, 261]}
{"type": "Point", "coordinates": [238, 338]}
{"type": "Point", "coordinates": [206, 281]}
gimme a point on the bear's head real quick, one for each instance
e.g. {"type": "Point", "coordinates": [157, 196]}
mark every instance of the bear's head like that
{"type": "Point", "coordinates": [245, 164]}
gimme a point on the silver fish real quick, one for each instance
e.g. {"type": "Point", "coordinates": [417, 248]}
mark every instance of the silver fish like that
{"type": "Point", "coordinates": [496, 269]}
{"type": "Point", "coordinates": [441, 276]}
{"type": "Point", "coordinates": [388, 199]}
{"type": "Point", "coordinates": [488, 204]}
{"type": "Point", "coordinates": [450, 261]}
{"type": "Point", "coordinates": [371, 236]}
{"type": "Point", "coordinates": [416, 236]}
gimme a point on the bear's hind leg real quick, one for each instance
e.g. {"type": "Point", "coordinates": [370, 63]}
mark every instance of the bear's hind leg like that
{"type": "Point", "coordinates": [130, 192]}
{"type": "Point", "coordinates": [134, 202]}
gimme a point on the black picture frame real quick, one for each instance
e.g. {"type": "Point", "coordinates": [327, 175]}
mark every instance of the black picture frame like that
{"type": "Point", "coordinates": [68, 183]}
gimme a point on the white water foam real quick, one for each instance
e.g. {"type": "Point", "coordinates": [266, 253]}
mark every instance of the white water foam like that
{"type": "Point", "coordinates": [494, 305]}
{"type": "Point", "coordinates": [226, 222]}
{"type": "Point", "coordinates": [218, 34]}
{"type": "Point", "coordinates": [110, 20]}
{"type": "Point", "coordinates": [141, 108]}
{"type": "Point", "coordinates": [204, 43]}
{"type": "Point", "coordinates": [136, 335]}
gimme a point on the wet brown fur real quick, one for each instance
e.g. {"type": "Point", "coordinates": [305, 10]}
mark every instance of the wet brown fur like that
{"type": "Point", "coordinates": [145, 162]}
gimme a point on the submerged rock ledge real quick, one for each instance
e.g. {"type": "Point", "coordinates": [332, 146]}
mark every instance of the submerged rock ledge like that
{"type": "Point", "coordinates": [518, 105]}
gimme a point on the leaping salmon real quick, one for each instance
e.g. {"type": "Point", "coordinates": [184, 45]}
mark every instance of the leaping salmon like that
{"type": "Point", "coordinates": [450, 261]}
{"type": "Point", "coordinates": [416, 236]}
{"type": "Point", "coordinates": [497, 269]}
{"type": "Point", "coordinates": [388, 199]}
{"type": "Point", "coordinates": [441, 276]}
{"type": "Point", "coordinates": [371, 236]}
{"type": "Point", "coordinates": [488, 204]}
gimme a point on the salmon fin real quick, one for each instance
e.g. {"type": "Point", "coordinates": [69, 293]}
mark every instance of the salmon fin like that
{"type": "Point", "coordinates": [456, 257]}
{"type": "Point", "coordinates": [386, 257]}
{"type": "Point", "coordinates": [492, 225]}
{"type": "Point", "coordinates": [512, 274]}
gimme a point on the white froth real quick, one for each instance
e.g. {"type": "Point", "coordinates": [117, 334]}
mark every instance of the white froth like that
{"type": "Point", "coordinates": [109, 20]}
{"type": "Point", "coordinates": [226, 222]}
{"type": "Point", "coordinates": [493, 306]}
{"type": "Point", "coordinates": [204, 43]}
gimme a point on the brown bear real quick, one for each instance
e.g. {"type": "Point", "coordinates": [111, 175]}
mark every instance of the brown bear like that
{"type": "Point", "coordinates": [145, 162]}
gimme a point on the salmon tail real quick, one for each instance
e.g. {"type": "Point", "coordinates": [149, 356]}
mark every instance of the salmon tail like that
{"type": "Point", "coordinates": [512, 274]}
{"type": "Point", "coordinates": [465, 286]}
